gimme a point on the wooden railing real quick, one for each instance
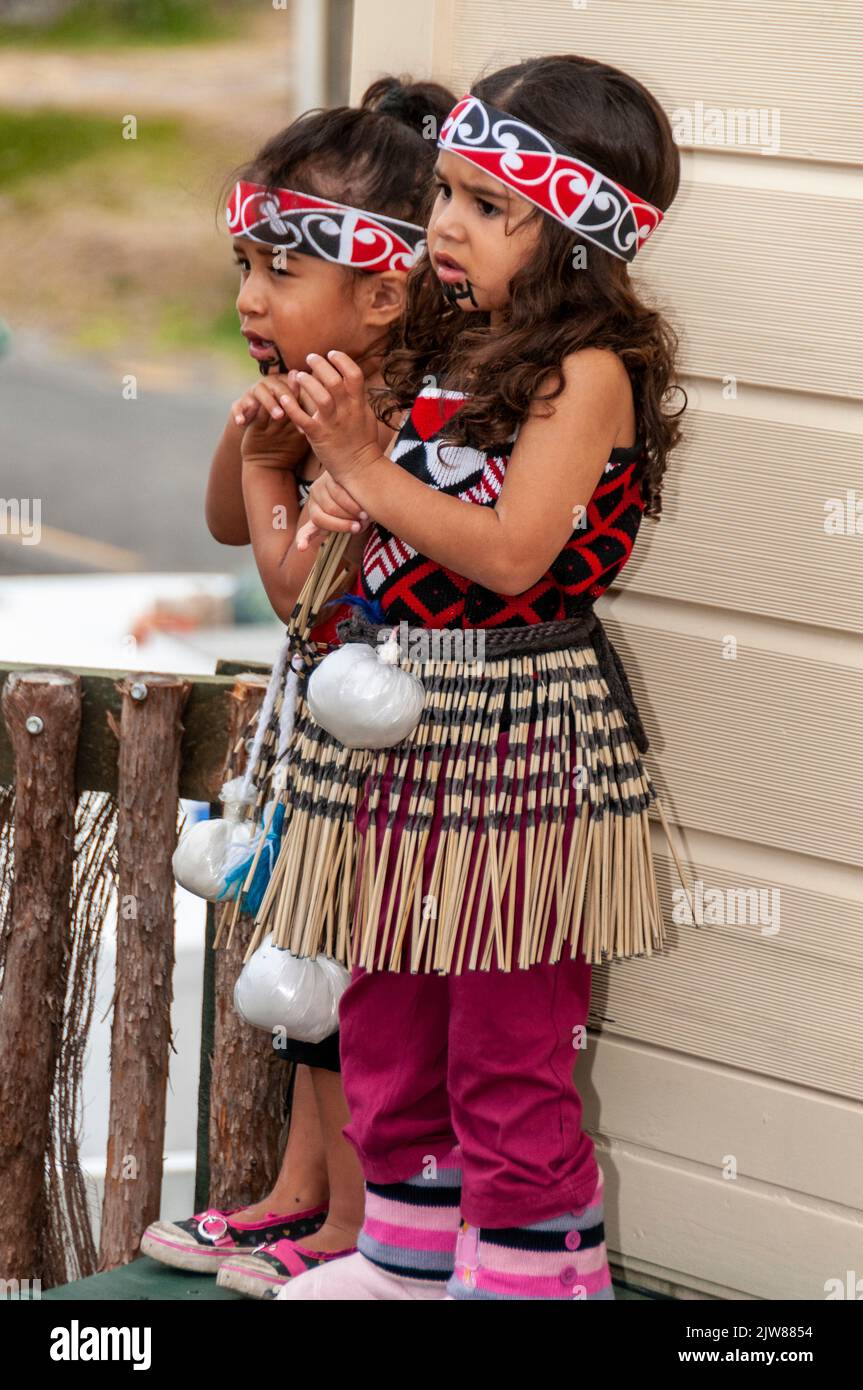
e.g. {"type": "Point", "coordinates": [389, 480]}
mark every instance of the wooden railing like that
{"type": "Point", "coordinates": [142, 741]}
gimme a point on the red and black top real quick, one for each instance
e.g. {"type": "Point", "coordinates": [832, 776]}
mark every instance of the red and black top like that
{"type": "Point", "coordinates": [411, 587]}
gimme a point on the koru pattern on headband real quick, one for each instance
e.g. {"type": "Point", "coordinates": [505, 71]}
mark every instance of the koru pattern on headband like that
{"type": "Point", "coordinates": [539, 169]}
{"type": "Point", "coordinates": [416, 589]}
{"type": "Point", "coordinates": [320, 227]}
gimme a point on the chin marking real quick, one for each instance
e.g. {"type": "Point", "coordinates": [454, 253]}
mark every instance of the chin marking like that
{"type": "Point", "coordinates": [463, 289]}
{"type": "Point", "coordinates": [264, 367]}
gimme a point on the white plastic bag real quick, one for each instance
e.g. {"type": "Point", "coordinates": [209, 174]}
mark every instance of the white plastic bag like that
{"type": "Point", "coordinates": [211, 853]}
{"type": "Point", "coordinates": [277, 990]}
{"type": "Point", "coordinates": [214, 856]}
{"type": "Point", "coordinates": [361, 696]}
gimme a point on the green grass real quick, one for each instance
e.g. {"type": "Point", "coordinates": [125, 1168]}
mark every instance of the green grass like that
{"type": "Point", "coordinates": [102, 332]}
{"type": "Point", "coordinates": [182, 327]}
{"type": "Point", "coordinates": [91, 23]}
{"type": "Point", "coordinates": [37, 142]}
{"type": "Point", "coordinates": [136, 302]}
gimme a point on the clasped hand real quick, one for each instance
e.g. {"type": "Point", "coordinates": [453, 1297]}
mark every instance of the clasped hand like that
{"type": "Point", "coordinates": [330, 508]}
{"type": "Point", "coordinates": [328, 404]}
{"type": "Point", "coordinates": [327, 410]}
{"type": "Point", "coordinates": [270, 439]}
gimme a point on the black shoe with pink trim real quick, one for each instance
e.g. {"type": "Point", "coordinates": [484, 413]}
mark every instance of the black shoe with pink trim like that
{"type": "Point", "coordinates": [202, 1242]}
{"type": "Point", "coordinates": [266, 1270]}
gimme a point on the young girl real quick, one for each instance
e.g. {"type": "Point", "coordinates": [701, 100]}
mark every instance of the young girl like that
{"type": "Point", "coordinates": [530, 353]}
{"type": "Point", "coordinates": [302, 288]}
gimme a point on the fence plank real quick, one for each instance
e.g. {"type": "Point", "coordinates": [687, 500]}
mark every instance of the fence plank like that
{"type": "Point", "coordinates": [148, 787]}
{"type": "Point", "coordinates": [31, 1008]}
{"type": "Point", "coordinates": [248, 1079]}
{"type": "Point", "coordinates": [205, 734]}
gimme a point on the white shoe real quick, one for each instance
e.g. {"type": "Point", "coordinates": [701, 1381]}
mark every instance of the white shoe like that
{"type": "Point", "coordinates": [356, 1278]}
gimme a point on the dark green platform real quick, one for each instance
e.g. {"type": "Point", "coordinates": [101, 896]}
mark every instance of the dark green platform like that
{"type": "Point", "coordinates": [140, 1281]}
{"type": "Point", "coordinates": [145, 1279]}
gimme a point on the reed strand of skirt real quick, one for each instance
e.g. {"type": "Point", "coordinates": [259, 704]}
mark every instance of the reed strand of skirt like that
{"type": "Point", "coordinates": [559, 833]}
{"type": "Point", "coordinates": [270, 778]}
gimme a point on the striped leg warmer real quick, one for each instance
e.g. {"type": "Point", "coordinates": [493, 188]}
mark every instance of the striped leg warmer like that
{"type": "Point", "coordinates": [561, 1257]}
{"type": "Point", "coordinates": [410, 1227]}
{"type": "Point", "coordinates": [406, 1245]}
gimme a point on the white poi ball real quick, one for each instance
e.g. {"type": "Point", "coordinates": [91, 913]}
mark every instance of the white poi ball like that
{"type": "Point", "coordinates": [208, 850]}
{"type": "Point", "coordinates": [297, 994]}
{"type": "Point", "coordinates": [361, 696]}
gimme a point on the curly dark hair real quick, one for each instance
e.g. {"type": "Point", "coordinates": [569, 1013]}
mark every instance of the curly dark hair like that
{"type": "Point", "coordinates": [613, 122]}
{"type": "Point", "coordinates": [377, 155]}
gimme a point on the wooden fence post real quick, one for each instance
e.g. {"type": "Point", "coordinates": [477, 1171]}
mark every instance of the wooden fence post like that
{"type": "Point", "coordinates": [150, 736]}
{"type": "Point", "coordinates": [248, 1079]}
{"type": "Point", "coordinates": [42, 711]}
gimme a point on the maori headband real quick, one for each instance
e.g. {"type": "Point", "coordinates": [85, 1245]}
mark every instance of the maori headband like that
{"type": "Point", "coordinates": [318, 227]}
{"type": "Point", "coordinates": [568, 189]}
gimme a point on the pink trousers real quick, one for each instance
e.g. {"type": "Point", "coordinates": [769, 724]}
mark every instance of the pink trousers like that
{"type": "Point", "coordinates": [483, 1059]}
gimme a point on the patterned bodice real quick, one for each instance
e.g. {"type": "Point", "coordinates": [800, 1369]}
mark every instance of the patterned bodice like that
{"type": "Point", "coordinates": [417, 589]}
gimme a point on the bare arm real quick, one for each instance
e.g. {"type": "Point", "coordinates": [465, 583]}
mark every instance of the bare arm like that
{"type": "Point", "coordinates": [271, 504]}
{"type": "Point", "coordinates": [554, 468]}
{"type": "Point", "coordinates": [223, 506]}
{"type": "Point", "coordinates": [273, 511]}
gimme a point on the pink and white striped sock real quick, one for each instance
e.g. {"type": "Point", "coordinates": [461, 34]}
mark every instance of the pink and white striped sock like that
{"type": "Point", "coordinates": [563, 1257]}
{"type": "Point", "coordinates": [410, 1228]}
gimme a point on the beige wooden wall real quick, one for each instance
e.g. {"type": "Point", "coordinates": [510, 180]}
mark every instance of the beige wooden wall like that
{"type": "Point", "coordinates": [725, 1093]}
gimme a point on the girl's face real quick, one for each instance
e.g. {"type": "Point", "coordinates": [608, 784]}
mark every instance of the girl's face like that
{"type": "Point", "coordinates": [479, 235]}
{"type": "Point", "coordinates": [302, 304]}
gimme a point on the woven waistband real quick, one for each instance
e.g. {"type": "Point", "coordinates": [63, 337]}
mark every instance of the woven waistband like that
{"type": "Point", "coordinates": [586, 630]}
{"type": "Point", "coordinates": [497, 641]}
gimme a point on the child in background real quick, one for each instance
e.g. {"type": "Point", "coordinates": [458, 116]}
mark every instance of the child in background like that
{"type": "Point", "coordinates": [367, 169]}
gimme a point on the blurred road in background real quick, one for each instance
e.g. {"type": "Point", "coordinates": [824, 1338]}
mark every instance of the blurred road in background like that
{"type": "Point", "coordinates": [121, 482]}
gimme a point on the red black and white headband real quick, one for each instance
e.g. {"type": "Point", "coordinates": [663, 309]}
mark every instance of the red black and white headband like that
{"type": "Point", "coordinates": [567, 188]}
{"type": "Point", "coordinates": [318, 227]}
